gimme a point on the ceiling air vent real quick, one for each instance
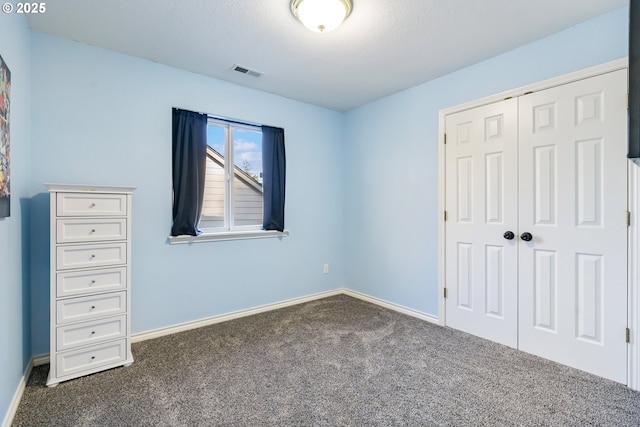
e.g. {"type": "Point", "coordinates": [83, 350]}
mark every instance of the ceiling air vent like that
{"type": "Point", "coordinates": [248, 71]}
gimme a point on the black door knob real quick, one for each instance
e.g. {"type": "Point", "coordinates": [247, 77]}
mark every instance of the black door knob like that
{"type": "Point", "coordinates": [509, 235]}
{"type": "Point", "coordinates": [526, 237]}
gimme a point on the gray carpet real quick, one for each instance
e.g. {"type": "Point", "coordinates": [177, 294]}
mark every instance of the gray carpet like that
{"type": "Point", "coordinates": [337, 361]}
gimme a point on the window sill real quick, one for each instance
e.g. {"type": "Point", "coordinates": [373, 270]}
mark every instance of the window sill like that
{"type": "Point", "coordinates": [227, 235]}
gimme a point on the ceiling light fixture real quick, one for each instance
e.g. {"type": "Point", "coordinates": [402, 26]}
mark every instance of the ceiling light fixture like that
{"type": "Point", "coordinates": [321, 16]}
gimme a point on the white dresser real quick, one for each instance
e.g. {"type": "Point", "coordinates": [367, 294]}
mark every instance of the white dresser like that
{"type": "Point", "coordinates": [90, 314]}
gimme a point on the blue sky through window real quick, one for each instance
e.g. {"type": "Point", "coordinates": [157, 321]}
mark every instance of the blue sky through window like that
{"type": "Point", "coordinates": [215, 138]}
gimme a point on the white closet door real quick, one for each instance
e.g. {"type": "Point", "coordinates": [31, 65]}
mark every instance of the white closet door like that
{"type": "Point", "coordinates": [573, 201]}
{"type": "Point", "coordinates": [481, 203]}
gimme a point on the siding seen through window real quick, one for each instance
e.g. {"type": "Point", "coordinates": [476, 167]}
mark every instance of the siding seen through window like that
{"type": "Point", "coordinates": [233, 184]}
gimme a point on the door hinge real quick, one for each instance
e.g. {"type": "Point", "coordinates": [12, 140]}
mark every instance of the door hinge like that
{"type": "Point", "coordinates": [627, 101]}
{"type": "Point", "coordinates": [445, 292]}
{"type": "Point", "coordinates": [445, 139]}
{"type": "Point", "coordinates": [445, 215]}
{"type": "Point", "coordinates": [628, 219]}
{"type": "Point", "coordinates": [628, 335]}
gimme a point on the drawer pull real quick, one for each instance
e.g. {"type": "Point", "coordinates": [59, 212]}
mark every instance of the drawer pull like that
{"type": "Point", "coordinates": [92, 205]}
{"type": "Point", "coordinates": [93, 332]}
{"type": "Point", "coordinates": [93, 282]}
{"type": "Point", "coordinates": [93, 230]}
{"type": "Point", "coordinates": [93, 255]}
{"type": "Point", "coordinates": [93, 357]}
{"type": "Point", "coordinates": [93, 307]}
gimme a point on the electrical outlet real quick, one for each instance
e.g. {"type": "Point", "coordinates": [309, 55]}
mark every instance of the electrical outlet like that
{"type": "Point", "coordinates": [326, 269]}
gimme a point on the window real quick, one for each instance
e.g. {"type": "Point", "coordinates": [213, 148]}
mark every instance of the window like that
{"type": "Point", "coordinates": [228, 179]}
{"type": "Point", "coordinates": [233, 192]}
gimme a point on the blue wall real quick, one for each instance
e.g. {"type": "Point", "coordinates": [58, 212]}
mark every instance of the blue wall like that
{"type": "Point", "coordinates": [104, 118]}
{"type": "Point", "coordinates": [15, 351]}
{"type": "Point", "coordinates": [391, 149]}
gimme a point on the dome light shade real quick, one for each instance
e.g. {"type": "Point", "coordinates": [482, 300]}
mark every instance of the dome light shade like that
{"type": "Point", "coordinates": [321, 16]}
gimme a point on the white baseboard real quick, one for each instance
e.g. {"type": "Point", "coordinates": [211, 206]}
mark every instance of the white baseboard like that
{"type": "Point", "coordinates": [156, 333]}
{"type": "Point", "coordinates": [17, 396]}
{"type": "Point", "coordinates": [392, 306]}
{"type": "Point", "coordinates": [41, 359]}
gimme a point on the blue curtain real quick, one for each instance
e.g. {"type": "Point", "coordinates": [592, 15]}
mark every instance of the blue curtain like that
{"type": "Point", "coordinates": [273, 177]}
{"type": "Point", "coordinates": [189, 165]}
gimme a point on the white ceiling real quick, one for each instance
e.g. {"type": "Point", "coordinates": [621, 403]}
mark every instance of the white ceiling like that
{"type": "Point", "coordinates": [384, 46]}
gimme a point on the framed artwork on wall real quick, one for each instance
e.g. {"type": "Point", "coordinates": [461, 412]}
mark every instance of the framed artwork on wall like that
{"type": "Point", "coordinates": [5, 176]}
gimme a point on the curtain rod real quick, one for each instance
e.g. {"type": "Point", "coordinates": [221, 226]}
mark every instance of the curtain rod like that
{"type": "Point", "coordinates": [226, 119]}
{"type": "Point", "coordinates": [236, 122]}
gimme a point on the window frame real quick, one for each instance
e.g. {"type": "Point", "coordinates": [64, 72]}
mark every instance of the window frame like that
{"type": "Point", "coordinates": [229, 178]}
{"type": "Point", "coordinates": [230, 128]}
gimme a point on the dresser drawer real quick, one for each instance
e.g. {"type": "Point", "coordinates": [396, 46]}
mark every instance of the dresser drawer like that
{"type": "Point", "coordinates": [92, 307]}
{"type": "Point", "coordinates": [82, 204]}
{"type": "Point", "coordinates": [88, 358]}
{"type": "Point", "coordinates": [83, 256]}
{"type": "Point", "coordinates": [91, 332]}
{"type": "Point", "coordinates": [90, 281]}
{"type": "Point", "coordinates": [91, 230]}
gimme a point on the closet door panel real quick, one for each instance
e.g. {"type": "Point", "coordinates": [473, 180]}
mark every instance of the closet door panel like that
{"type": "Point", "coordinates": [573, 200]}
{"type": "Point", "coordinates": [481, 204]}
